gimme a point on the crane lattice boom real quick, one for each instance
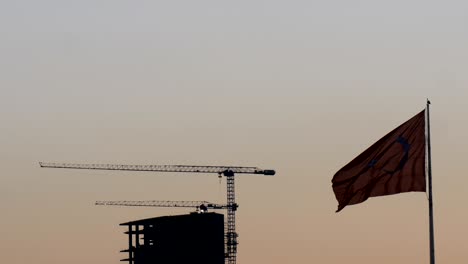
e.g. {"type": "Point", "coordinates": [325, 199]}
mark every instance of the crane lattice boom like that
{"type": "Point", "coordinates": [161, 168]}
{"type": "Point", "coordinates": [154, 203]}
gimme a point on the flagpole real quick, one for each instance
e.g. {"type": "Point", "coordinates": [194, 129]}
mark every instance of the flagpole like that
{"type": "Point", "coordinates": [429, 176]}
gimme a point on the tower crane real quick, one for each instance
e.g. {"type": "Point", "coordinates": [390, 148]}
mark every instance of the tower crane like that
{"type": "Point", "coordinates": [227, 171]}
{"type": "Point", "coordinates": [201, 206]}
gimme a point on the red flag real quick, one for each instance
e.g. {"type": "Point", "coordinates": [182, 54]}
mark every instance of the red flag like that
{"type": "Point", "coordinates": [394, 164]}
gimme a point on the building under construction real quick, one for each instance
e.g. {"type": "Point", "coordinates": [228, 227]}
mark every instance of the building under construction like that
{"type": "Point", "coordinates": [231, 206]}
{"type": "Point", "coordinates": [180, 239]}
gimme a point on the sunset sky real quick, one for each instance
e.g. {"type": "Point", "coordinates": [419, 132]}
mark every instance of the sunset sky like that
{"type": "Point", "coordinates": [301, 87]}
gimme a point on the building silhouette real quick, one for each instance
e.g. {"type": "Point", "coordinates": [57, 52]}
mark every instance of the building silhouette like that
{"type": "Point", "coordinates": [180, 239]}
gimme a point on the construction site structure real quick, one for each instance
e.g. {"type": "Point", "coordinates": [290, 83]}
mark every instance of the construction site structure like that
{"type": "Point", "coordinates": [228, 171]}
{"type": "Point", "coordinates": [179, 239]}
{"type": "Point", "coordinates": [199, 206]}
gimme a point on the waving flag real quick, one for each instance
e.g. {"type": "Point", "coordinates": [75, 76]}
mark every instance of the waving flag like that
{"type": "Point", "coordinates": [394, 164]}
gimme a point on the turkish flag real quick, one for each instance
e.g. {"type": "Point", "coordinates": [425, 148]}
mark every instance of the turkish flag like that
{"type": "Point", "coordinates": [394, 164]}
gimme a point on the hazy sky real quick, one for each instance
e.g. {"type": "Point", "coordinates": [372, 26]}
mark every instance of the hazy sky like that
{"type": "Point", "coordinates": [301, 87]}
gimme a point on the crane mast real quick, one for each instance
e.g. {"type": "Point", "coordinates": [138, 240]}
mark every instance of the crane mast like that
{"type": "Point", "coordinates": [231, 235]}
{"type": "Point", "coordinates": [227, 171]}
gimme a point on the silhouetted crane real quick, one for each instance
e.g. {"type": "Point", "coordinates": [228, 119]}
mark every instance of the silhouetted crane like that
{"type": "Point", "coordinates": [201, 206]}
{"type": "Point", "coordinates": [227, 171]}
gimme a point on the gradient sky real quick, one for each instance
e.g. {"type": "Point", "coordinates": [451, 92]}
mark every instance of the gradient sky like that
{"type": "Point", "coordinates": [301, 87]}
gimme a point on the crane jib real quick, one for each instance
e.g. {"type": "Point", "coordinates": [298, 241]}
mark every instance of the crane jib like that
{"type": "Point", "coordinates": [225, 170]}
